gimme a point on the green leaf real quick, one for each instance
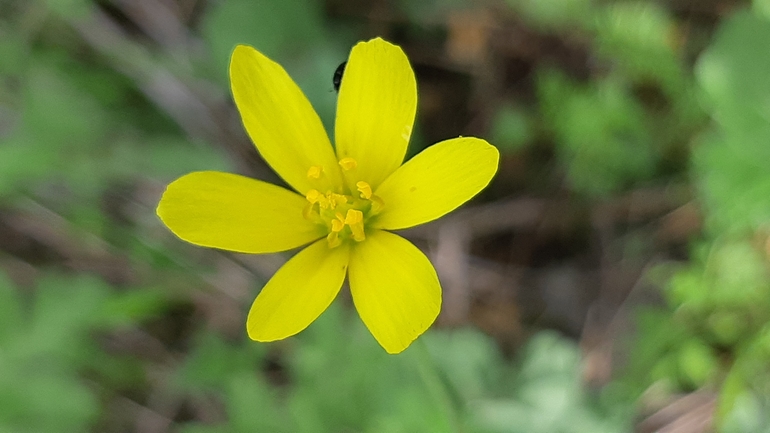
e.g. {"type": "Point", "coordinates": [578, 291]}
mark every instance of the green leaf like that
{"type": "Point", "coordinates": [697, 363]}
{"type": "Point", "coordinates": [11, 316]}
{"type": "Point", "coordinates": [733, 73]}
{"type": "Point", "coordinates": [600, 131]}
{"type": "Point", "coordinates": [555, 14]}
{"type": "Point", "coordinates": [762, 7]}
{"type": "Point", "coordinates": [511, 129]}
{"type": "Point", "coordinates": [132, 306]}
{"type": "Point", "coordinates": [213, 362]}
{"type": "Point", "coordinates": [640, 37]}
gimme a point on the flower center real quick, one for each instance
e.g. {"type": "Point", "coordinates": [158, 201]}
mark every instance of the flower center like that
{"type": "Point", "coordinates": [344, 215]}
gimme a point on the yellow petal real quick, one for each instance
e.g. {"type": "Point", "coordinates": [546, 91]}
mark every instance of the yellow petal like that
{"type": "Point", "coordinates": [435, 182]}
{"type": "Point", "coordinates": [395, 289]}
{"type": "Point", "coordinates": [299, 292]}
{"type": "Point", "coordinates": [236, 213]}
{"type": "Point", "coordinates": [281, 122]}
{"type": "Point", "coordinates": [375, 109]}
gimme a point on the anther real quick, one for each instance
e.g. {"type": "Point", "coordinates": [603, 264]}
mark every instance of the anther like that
{"type": "Point", "coordinates": [348, 163]}
{"type": "Point", "coordinates": [365, 189]}
{"type": "Point", "coordinates": [314, 172]}
{"type": "Point", "coordinates": [313, 196]}
{"type": "Point", "coordinates": [355, 220]}
{"type": "Point", "coordinates": [338, 223]}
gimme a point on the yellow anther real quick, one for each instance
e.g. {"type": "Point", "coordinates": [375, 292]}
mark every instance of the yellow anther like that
{"type": "Point", "coordinates": [353, 217]}
{"type": "Point", "coordinates": [364, 189]}
{"type": "Point", "coordinates": [338, 223]}
{"type": "Point", "coordinates": [348, 163]}
{"type": "Point", "coordinates": [315, 172]}
{"type": "Point", "coordinates": [355, 220]}
{"type": "Point", "coordinates": [313, 196]}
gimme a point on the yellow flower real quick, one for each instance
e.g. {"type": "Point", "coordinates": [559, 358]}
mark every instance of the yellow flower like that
{"type": "Point", "coordinates": [344, 200]}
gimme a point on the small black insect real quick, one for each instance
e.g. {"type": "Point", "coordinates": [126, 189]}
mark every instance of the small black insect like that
{"type": "Point", "coordinates": [337, 78]}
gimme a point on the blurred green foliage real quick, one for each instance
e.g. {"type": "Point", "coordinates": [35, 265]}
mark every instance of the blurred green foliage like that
{"type": "Point", "coordinates": [341, 380]}
{"type": "Point", "coordinates": [46, 341]}
{"type": "Point", "coordinates": [76, 125]}
{"type": "Point", "coordinates": [715, 332]}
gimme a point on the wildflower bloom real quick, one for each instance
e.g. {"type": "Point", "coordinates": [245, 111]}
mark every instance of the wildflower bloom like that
{"type": "Point", "coordinates": [343, 201]}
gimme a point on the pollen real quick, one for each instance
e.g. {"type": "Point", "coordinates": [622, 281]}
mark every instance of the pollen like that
{"type": "Point", "coordinates": [315, 172]}
{"type": "Point", "coordinates": [348, 163]}
{"type": "Point", "coordinates": [365, 189]}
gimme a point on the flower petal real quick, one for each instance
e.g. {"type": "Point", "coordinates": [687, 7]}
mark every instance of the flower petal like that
{"type": "Point", "coordinates": [435, 182]}
{"type": "Point", "coordinates": [236, 213]}
{"type": "Point", "coordinates": [375, 109]}
{"type": "Point", "coordinates": [299, 292]}
{"type": "Point", "coordinates": [281, 122]}
{"type": "Point", "coordinates": [395, 289]}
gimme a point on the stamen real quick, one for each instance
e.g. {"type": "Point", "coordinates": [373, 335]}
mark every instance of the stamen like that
{"type": "Point", "coordinates": [355, 220]}
{"type": "Point", "coordinates": [364, 189]}
{"type": "Point", "coordinates": [313, 196]}
{"type": "Point", "coordinates": [338, 223]}
{"type": "Point", "coordinates": [314, 172]}
{"type": "Point", "coordinates": [333, 239]}
{"type": "Point", "coordinates": [348, 163]}
{"type": "Point", "coordinates": [377, 204]}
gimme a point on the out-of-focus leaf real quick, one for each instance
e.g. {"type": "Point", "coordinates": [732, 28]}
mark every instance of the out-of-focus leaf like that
{"type": "Point", "coordinates": [555, 14]}
{"type": "Point", "coordinates": [762, 7]}
{"type": "Point", "coordinates": [44, 401]}
{"type": "Point", "coordinates": [11, 52]}
{"type": "Point", "coordinates": [213, 362]}
{"type": "Point", "coordinates": [600, 130]}
{"type": "Point", "coordinates": [431, 10]}
{"type": "Point", "coordinates": [697, 363]}
{"type": "Point", "coordinates": [749, 415]}
{"type": "Point", "coordinates": [548, 395]}
{"type": "Point", "coordinates": [385, 393]}
{"type": "Point", "coordinates": [10, 310]}
{"type": "Point", "coordinates": [469, 360]}
{"type": "Point", "coordinates": [735, 183]}
{"type": "Point", "coordinates": [70, 8]}
{"type": "Point", "coordinates": [132, 306]}
{"type": "Point", "coordinates": [168, 156]}
{"type": "Point", "coordinates": [641, 37]}
{"type": "Point", "coordinates": [58, 124]}
{"type": "Point", "coordinates": [733, 72]}
{"type": "Point", "coordinates": [252, 406]}
{"type": "Point", "coordinates": [44, 351]}
{"type": "Point", "coordinates": [511, 129]}
{"type": "Point", "coordinates": [274, 28]}
{"type": "Point", "coordinates": [743, 401]}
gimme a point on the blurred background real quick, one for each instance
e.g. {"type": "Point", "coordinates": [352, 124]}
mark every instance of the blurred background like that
{"type": "Point", "coordinates": [614, 277]}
